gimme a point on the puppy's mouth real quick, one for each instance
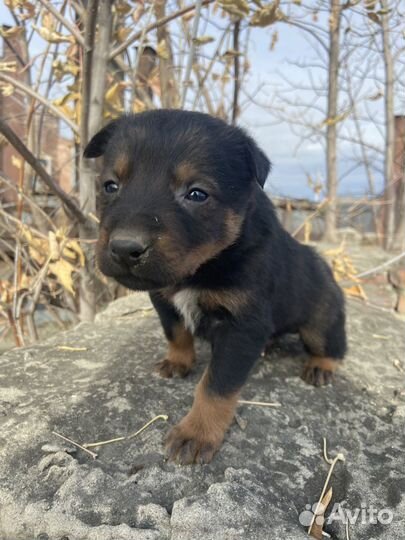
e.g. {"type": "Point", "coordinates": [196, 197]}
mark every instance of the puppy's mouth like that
{"type": "Point", "coordinates": [143, 275]}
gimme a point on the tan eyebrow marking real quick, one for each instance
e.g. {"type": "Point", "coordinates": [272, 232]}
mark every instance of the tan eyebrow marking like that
{"type": "Point", "coordinates": [121, 165]}
{"type": "Point", "coordinates": [184, 172]}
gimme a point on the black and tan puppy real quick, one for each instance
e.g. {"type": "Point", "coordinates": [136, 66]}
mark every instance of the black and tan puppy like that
{"type": "Point", "coordinates": [184, 216]}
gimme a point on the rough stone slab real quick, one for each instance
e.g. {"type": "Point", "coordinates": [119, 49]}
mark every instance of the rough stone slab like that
{"type": "Point", "coordinates": [254, 489]}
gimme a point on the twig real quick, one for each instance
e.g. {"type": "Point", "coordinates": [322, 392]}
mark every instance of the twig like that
{"type": "Point", "coordinates": [161, 22]}
{"type": "Point", "coordinates": [347, 530]}
{"type": "Point", "coordinates": [236, 81]}
{"type": "Point", "coordinates": [332, 463]}
{"type": "Point", "coordinates": [26, 90]}
{"type": "Point", "coordinates": [259, 403]}
{"type": "Point", "coordinates": [311, 216]}
{"type": "Point", "coordinates": [72, 349]}
{"type": "Point", "coordinates": [92, 454]}
{"type": "Point", "coordinates": [190, 59]}
{"type": "Point", "coordinates": [57, 14]}
{"type": "Point", "coordinates": [118, 439]}
{"type": "Point", "coordinates": [32, 203]}
{"type": "Point", "coordinates": [29, 157]}
{"type": "Point", "coordinates": [381, 266]}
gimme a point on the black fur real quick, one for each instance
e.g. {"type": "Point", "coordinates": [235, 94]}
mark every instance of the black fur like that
{"type": "Point", "coordinates": [276, 284]}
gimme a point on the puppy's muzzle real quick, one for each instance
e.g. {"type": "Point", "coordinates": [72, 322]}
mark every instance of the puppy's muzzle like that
{"type": "Point", "coordinates": [128, 249]}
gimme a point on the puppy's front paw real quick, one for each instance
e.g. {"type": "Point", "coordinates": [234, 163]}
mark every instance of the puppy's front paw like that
{"type": "Point", "coordinates": [186, 444]}
{"type": "Point", "coordinates": [319, 371]}
{"type": "Point", "coordinates": [168, 369]}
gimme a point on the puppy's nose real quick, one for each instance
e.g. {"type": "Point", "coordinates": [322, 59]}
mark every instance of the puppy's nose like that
{"type": "Point", "coordinates": [128, 249]}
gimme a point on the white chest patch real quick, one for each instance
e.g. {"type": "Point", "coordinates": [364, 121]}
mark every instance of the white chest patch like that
{"type": "Point", "coordinates": [186, 303]}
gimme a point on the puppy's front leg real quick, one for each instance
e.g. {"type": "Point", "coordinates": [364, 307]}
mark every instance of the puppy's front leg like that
{"type": "Point", "coordinates": [200, 433]}
{"type": "Point", "coordinates": [180, 355]}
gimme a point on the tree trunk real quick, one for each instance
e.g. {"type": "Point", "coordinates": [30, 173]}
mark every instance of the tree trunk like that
{"type": "Point", "coordinates": [331, 132]}
{"type": "Point", "coordinates": [389, 191]}
{"type": "Point", "coordinates": [169, 93]}
{"type": "Point", "coordinates": [399, 178]}
{"type": "Point", "coordinates": [93, 91]}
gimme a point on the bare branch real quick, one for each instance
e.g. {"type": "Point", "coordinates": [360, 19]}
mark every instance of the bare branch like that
{"type": "Point", "coordinates": [17, 143]}
{"type": "Point", "coordinates": [26, 90]}
{"type": "Point", "coordinates": [161, 22]}
{"type": "Point", "coordinates": [65, 22]}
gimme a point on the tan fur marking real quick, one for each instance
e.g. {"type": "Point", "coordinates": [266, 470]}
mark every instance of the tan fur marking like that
{"type": "Point", "coordinates": [181, 348]}
{"type": "Point", "coordinates": [184, 172]}
{"type": "Point", "coordinates": [327, 364]}
{"type": "Point", "coordinates": [121, 165]}
{"type": "Point", "coordinates": [103, 239]}
{"type": "Point", "coordinates": [204, 253]}
{"type": "Point", "coordinates": [313, 340]}
{"type": "Point", "coordinates": [232, 300]}
{"type": "Point", "coordinates": [205, 426]}
{"type": "Point", "coordinates": [180, 356]}
{"type": "Point", "coordinates": [210, 415]}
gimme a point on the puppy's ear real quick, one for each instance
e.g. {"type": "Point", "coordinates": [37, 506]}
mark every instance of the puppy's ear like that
{"type": "Point", "coordinates": [260, 164]}
{"type": "Point", "coordinates": [97, 145]}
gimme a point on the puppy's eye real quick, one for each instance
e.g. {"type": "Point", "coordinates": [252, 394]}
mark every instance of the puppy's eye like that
{"type": "Point", "coordinates": [196, 195]}
{"type": "Point", "coordinates": [110, 186]}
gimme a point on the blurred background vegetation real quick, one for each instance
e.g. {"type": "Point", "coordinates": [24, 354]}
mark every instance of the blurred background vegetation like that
{"type": "Point", "coordinates": [67, 67]}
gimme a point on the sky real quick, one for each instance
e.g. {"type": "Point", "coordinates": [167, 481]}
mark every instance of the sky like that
{"type": "Point", "coordinates": [290, 166]}
{"type": "Point", "coordinates": [293, 158]}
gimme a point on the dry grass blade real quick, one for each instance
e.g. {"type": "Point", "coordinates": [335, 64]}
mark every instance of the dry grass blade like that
{"type": "Point", "coordinates": [92, 454]}
{"type": "Point", "coordinates": [317, 529]}
{"type": "Point", "coordinates": [259, 403]}
{"type": "Point", "coordinates": [118, 439]}
{"type": "Point", "coordinates": [72, 349]}
{"type": "Point", "coordinates": [332, 463]}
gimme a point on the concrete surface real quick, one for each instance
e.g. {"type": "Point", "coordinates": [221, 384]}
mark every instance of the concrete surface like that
{"type": "Point", "coordinates": [269, 468]}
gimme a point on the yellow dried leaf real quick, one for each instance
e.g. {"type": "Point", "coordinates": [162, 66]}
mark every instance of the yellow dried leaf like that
{"type": "Point", "coordinates": [74, 246]}
{"type": "Point", "coordinates": [137, 14]}
{"type": "Point", "coordinates": [154, 82]}
{"type": "Point", "coordinates": [113, 96]}
{"type": "Point", "coordinates": [355, 290]}
{"type": "Point", "coordinates": [138, 106]}
{"type": "Point", "coordinates": [336, 119]}
{"type": "Point", "coordinates": [370, 4]}
{"type": "Point", "coordinates": [267, 15]}
{"type": "Point", "coordinates": [239, 8]}
{"type": "Point", "coordinates": [54, 252]}
{"type": "Point", "coordinates": [16, 161]}
{"type": "Point", "coordinates": [202, 40]}
{"type": "Point", "coordinates": [63, 271]}
{"type": "Point", "coordinates": [64, 68]}
{"type": "Point", "coordinates": [123, 8]}
{"type": "Point", "coordinates": [188, 16]}
{"type": "Point", "coordinates": [8, 66]}
{"type": "Point", "coordinates": [231, 53]}
{"type": "Point", "coordinates": [25, 281]}
{"type": "Point", "coordinates": [52, 36]}
{"type": "Point", "coordinates": [374, 17]}
{"type": "Point", "coordinates": [162, 50]}
{"type": "Point", "coordinates": [47, 20]}
{"type": "Point", "coordinates": [7, 89]}
{"type": "Point", "coordinates": [122, 33]}
{"type": "Point", "coordinates": [30, 11]}
{"type": "Point", "coordinates": [12, 32]}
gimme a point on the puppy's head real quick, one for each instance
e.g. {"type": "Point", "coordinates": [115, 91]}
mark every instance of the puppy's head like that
{"type": "Point", "coordinates": [174, 192]}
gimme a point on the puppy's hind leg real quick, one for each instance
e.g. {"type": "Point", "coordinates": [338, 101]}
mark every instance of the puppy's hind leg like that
{"type": "Point", "coordinates": [325, 340]}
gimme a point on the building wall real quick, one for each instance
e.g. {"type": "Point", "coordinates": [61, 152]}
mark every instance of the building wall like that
{"type": "Point", "coordinates": [55, 150]}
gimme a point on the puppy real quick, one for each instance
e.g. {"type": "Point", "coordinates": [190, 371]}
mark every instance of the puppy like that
{"type": "Point", "coordinates": [184, 216]}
